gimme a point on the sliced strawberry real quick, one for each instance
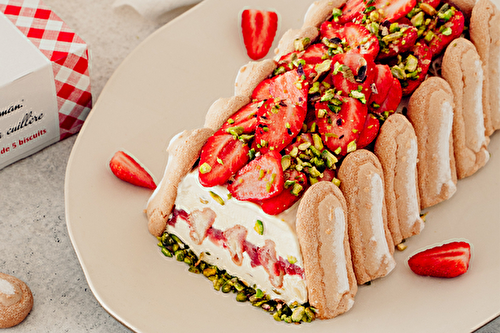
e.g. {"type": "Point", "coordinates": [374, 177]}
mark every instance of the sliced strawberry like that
{"type": "Point", "coordinates": [391, 103]}
{"type": "Point", "coordinates": [128, 169]}
{"type": "Point", "coordinates": [259, 29]}
{"type": "Point", "coordinates": [352, 11]}
{"type": "Point", "coordinates": [382, 83]}
{"type": "Point", "coordinates": [279, 121]}
{"type": "Point", "coordinates": [393, 10]}
{"type": "Point", "coordinates": [357, 38]}
{"type": "Point", "coordinates": [369, 132]}
{"type": "Point", "coordinates": [353, 74]}
{"type": "Point", "coordinates": [262, 91]}
{"type": "Point", "coordinates": [235, 242]}
{"type": "Point", "coordinates": [400, 41]}
{"type": "Point", "coordinates": [260, 179]}
{"type": "Point", "coordinates": [313, 54]}
{"type": "Point", "coordinates": [244, 120]}
{"type": "Point", "coordinates": [433, 3]}
{"type": "Point", "coordinates": [286, 198]}
{"type": "Point", "coordinates": [443, 35]}
{"type": "Point", "coordinates": [446, 261]}
{"type": "Point", "coordinates": [340, 131]}
{"type": "Point", "coordinates": [291, 86]}
{"type": "Point", "coordinates": [269, 261]}
{"type": "Point", "coordinates": [220, 158]}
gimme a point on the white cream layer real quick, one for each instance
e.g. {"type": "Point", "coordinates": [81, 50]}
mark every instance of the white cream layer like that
{"type": "Point", "coordinates": [280, 229]}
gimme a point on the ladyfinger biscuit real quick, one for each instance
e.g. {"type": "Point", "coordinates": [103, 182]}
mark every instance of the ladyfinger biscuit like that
{"type": "Point", "coordinates": [485, 34]}
{"type": "Point", "coordinates": [320, 11]}
{"type": "Point", "coordinates": [371, 243]}
{"type": "Point", "coordinates": [222, 109]}
{"type": "Point", "coordinates": [184, 151]}
{"type": "Point", "coordinates": [461, 68]}
{"type": "Point", "coordinates": [287, 42]}
{"type": "Point", "coordinates": [324, 242]}
{"type": "Point", "coordinates": [430, 111]}
{"type": "Point", "coordinates": [251, 74]}
{"type": "Point", "coordinates": [16, 300]}
{"type": "Point", "coordinates": [396, 149]}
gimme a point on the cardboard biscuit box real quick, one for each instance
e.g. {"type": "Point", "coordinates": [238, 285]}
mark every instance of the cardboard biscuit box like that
{"type": "Point", "coordinates": [44, 79]}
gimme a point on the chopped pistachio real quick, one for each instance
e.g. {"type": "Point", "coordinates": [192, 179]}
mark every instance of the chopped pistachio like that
{"type": "Point", "coordinates": [294, 152]}
{"type": "Point", "coordinates": [318, 143]}
{"type": "Point", "coordinates": [411, 63]}
{"type": "Point", "coordinates": [236, 130]}
{"type": "Point", "coordinates": [336, 181]}
{"type": "Point", "coordinates": [286, 161]}
{"type": "Point", "coordinates": [392, 37]}
{"type": "Point", "coordinates": [429, 36]}
{"type": "Point", "coordinates": [296, 189]}
{"type": "Point", "coordinates": [289, 183]}
{"type": "Point", "coordinates": [445, 30]}
{"type": "Point", "coordinates": [418, 19]}
{"type": "Point", "coordinates": [205, 168]}
{"type": "Point", "coordinates": [329, 158]}
{"type": "Point", "coordinates": [217, 198]}
{"type": "Point", "coordinates": [323, 67]}
{"type": "Point", "coordinates": [351, 146]}
{"type": "Point", "coordinates": [315, 88]}
{"type": "Point", "coordinates": [358, 95]}
{"type": "Point", "coordinates": [428, 9]}
{"type": "Point", "coordinates": [314, 172]}
{"type": "Point", "coordinates": [338, 150]}
{"type": "Point", "coordinates": [398, 72]}
{"type": "Point", "coordinates": [259, 227]}
{"type": "Point", "coordinates": [336, 14]}
{"type": "Point", "coordinates": [304, 146]}
{"type": "Point", "coordinates": [292, 260]}
{"type": "Point", "coordinates": [301, 44]}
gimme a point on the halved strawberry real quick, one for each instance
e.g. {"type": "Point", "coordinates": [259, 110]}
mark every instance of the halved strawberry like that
{"type": "Point", "coordinates": [128, 169]}
{"type": "Point", "coordinates": [369, 132]}
{"type": "Point", "coordinates": [259, 29]}
{"type": "Point", "coordinates": [262, 91]}
{"type": "Point", "coordinates": [446, 261]}
{"type": "Point", "coordinates": [260, 179]}
{"type": "Point", "coordinates": [340, 130]}
{"type": "Point", "coordinates": [444, 34]}
{"type": "Point", "coordinates": [244, 120]}
{"type": "Point", "coordinates": [392, 10]}
{"type": "Point", "coordinates": [221, 157]}
{"type": "Point", "coordinates": [357, 38]}
{"type": "Point", "coordinates": [353, 74]}
{"type": "Point", "coordinates": [289, 195]}
{"type": "Point", "coordinates": [279, 121]}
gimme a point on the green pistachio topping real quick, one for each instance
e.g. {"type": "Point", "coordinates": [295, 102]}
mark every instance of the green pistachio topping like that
{"type": "Point", "coordinates": [205, 168]}
{"type": "Point", "coordinates": [259, 227]}
{"type": "Point", "coordinates": [217, 198]}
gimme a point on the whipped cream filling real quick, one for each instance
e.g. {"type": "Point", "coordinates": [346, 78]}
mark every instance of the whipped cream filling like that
{"type": "Point", "coordinates": [278, 234]}
{"type": "Point", "coordinates": [443, 164]}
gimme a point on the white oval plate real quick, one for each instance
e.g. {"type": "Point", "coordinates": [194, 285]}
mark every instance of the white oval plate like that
{"type": "Point", "coordinates": [165, 86]}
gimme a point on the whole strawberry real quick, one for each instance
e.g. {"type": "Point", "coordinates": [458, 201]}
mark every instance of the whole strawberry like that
{"type": "Point", "coordinates": [446, 261]}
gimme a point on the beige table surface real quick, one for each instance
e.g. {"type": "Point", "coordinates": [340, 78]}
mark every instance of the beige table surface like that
{"type": "Point", "coordinates": [34, 242]}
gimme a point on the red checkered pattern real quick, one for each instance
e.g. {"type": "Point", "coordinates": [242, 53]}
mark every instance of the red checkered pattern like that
{"type": "Point", "coordinates": [67, 52]}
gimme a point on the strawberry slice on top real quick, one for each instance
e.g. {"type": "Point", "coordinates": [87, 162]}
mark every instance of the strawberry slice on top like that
{"type": "Point", "coordinates": [222, 156]}
{"type": "Point", "coordinates": [259, 29]}
{"type": "Point", "coordinates": [295, 185]}
{"type": "Point", "coordinates": [279, 121]}
{"type": "Point", "coordinates": [260, 179]}
{"type": "Point", "coordinates": [126, 168]}
{"type": "Point", "coordinates": [393, 10]}
{"type": "Point", "coordinates": [290, 85]}
{"type": "Point", "coordinates": [446, 261]}
{"type": "Point", "coordinates": [243, 121]}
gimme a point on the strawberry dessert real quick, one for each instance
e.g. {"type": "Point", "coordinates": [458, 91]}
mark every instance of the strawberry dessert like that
{"type": "Point", "coordinates": [230, 201]}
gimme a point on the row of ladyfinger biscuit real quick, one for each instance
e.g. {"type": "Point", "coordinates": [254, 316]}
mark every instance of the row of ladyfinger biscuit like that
{"type": "Point", "coordinates": [400, 207]}
{"type": "Point", "coordinates": [449, 125]}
